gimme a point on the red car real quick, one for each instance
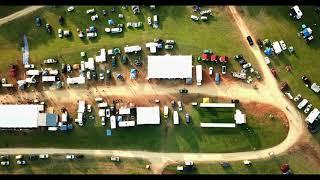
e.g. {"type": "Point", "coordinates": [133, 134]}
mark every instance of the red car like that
{"type": "Point", "coordinates": [274, 72]}
{"type": "Point", "coordinates": [214, 58]}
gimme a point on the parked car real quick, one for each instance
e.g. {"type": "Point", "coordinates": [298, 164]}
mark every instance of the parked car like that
{"type": "Point", "coordinates": [50, 61]}
{"type": "Point", "coordinates": [44, 156]}
{"type": "Point", "coordinates": [103, 121]}
{"type": "Point", "coordinates": [224, 69]}
{"type": "Point", "coordinates": [170, 42]}
{"type": "Point", "coordinates": [306, 81]}
{"type": "Point", "coordinates": [187, 118]}
{"type": "Point", "coordinates": [70, 156]}
{"type": "Point", "coordinates": [115, 158]}
{"type": "Point", "coordinates": [88, 75]}
{"type": "Point", "coordinates": [21, 162]}
{"type": "Point", "coordinates": [183, 91]}
{"type": "Point", "coordinates": [38, 21]}
{"type": "Point", "coordinates": [210, 71]}
{"type": "Point", "coordinates": [194, 17]}
{"type": "Point", "coordinates": [245, 66]}
{"type": "Point", "coordinates": [94, 75]}
{"type": "Point", "coordinates": [149, 20]}
{"type": "Point", "coordinates": [60, 33]}
{"type": "Point", "coordinates": [250, 41]}
{"type": "Point", "coordinates": [69, 68]}
{"type": "Point", "coordinates": [104, 12]}
{"type": "Point", "coordinates": [180, 105]}
{"type": "Point", "coordinates": [242, 62]}
{"type": "Point", "coordinates": [5, 163]}
{"type": "Point", "coordinates": [33, 157]}
{"type": "Point", "coordinates": [260, 43]}
{"type": "Point", "coordinates": [238, 57]}
{"type": "Point", "coordinates": [235, 101]}
{"type": "Point", "coordinates": [108, 114]}
{"type": "Point", "coordinates": [108, 74]}
{"type": "Point", "coordinates": [314, 127]}
{"type": "Point", "coordinates": [168, 46]}
{"type": "Point", "coordinates": [307, 109]}
{"type": "Point", "coordinates": [297, 98]}
{"type": "Point", "coordinates": [101, 75]}
{"type": "Point", "coordinates": [113, 61]}
{"type": "Point", "coordinates": [283, 45]}
{"type": "Point", "coordinates": [71, 8]}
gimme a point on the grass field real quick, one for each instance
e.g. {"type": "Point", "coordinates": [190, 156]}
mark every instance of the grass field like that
{"type": "Point", "coordinates": [175, 23]}
{"type": "Point", "coordinates": [57, 164]}
{"type": "Point", "coordinates": [7, 10]}
{"type": "Point", "coordinates": [305, 61]}
{"type": "Point", "coordinates": [262, 166]}
{"type": "Point", "coordinates": [165, 137]}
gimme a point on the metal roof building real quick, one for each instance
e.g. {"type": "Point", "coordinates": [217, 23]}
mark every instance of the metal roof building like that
{"type": "Point", "coordinates": [19, 116]}
{"type": "Point", "coordinates": [169, 67]}
{"type": "Point", "coordinates": [148, 115]}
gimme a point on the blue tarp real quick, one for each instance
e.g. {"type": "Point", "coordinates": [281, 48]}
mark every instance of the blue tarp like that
{"type": "Point", "coordinates": [268, 51]}
{"type": "Point", "coordinates": [25, 53]}
{"type": "Point", "coordinates": [119, 118]}
{"type": "Point", "coordinates": [51, 119]}
{"type": "Point", "coordinates": [91, 29]}
{"type": "Point", "coordinates": [108, 132]}
{"type": "Point", "coordinates": [306, 33]}
{"type": "Point", "coordinates": [110, 22]}
{"type": "Point", "coordinates": [133, 74]}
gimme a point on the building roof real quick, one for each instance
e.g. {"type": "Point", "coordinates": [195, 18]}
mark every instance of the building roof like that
{"type": "Point", "coordinates": [170, 67]}
{"type": "Point", "coordinates": [148, 115]}
{"type": "Point", "coordinates": [19, 116]}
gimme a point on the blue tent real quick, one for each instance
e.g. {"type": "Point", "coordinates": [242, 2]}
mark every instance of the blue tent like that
{"type": "Point", "coordinates": [119, 118]}
{"type": "Point", "coordinates": [108, 132]}
{"type": "Point", "coordinates": [306, 33]}
{"type": "Point", "coordinates": [133, 74]}
{"type": "Point", "coordinates": [91, 29]}
{"type": "Point", "coordinates": [110, 22]}
{"type": "Point", "coordinates": [268, 51]}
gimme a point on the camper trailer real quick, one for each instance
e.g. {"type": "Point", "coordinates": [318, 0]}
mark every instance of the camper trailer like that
{"type": "Point", "coordinates": [199, 74]}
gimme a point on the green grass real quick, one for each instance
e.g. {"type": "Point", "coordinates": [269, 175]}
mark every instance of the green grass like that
{"type": "Point", "coordinates": [57, 164]}
{"type": "Point", "coordinates": [274, 23]}
{"type": "Point", "coordinates": [7, 10]}
{"type": "Point", "coordinates": [261, 166]}
{"type": "Point", "coordinates": [175, 23]}
{"type": "Point", "coordinates": [164, 138]}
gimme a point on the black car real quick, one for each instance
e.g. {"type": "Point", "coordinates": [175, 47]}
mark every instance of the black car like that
{"type": "Point", "coordinates": [187, 118]}
{"type": "Point", "coordinates": [242, 62]}
{"type": "Point", "coordinates": [250, 41]}
{"type": "Point", "coordinates": [238, 57]}
{"type": "Point", "coordinates": [108, 74]}
{"type": "Point", "coordinates": [104, 12]}
{"type": "Point", "coordinates": [94, 75]}
{"type": "Point", "coordinates": [306, 81]}
{"type": "Point", "coordinates": [79, 156]}
{"type": "Point", "coordinates": [4, 158]}
{"type": "Point", "coordinates": [260, 43]}
{"type": "Point", "coordinates": [235, 101]}
{"type": "Point", "coordinates": [314, 127]}
{"type": "Point", "coordinates": [183, 91]}
{"type": "Point", "coordinates": [33, 157]}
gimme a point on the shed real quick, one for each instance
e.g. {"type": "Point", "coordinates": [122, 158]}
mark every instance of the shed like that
{"type": "Point", "coordinates": [175, 117]}
{"type": "Point", "coordinates": [123, 111]}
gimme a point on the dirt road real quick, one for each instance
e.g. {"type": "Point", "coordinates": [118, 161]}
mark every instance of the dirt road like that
{"type": "Point", "coordinates": [18, 14]}
{"type": "Point", "coordinates": [267, 92]}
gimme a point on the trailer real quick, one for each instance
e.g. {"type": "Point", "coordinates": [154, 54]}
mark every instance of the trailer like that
{"type": "Point", "coordinates": [199, 74]}
{"type": "Point", "coordinates": [103, 105]}
{"type": "Point", "coordinates": [175, 117]}
{"type": "Point", "coordinates": [223, 125]}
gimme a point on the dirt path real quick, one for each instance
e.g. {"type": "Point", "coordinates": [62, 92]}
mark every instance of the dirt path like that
{"type": "Point", "coordinates": [267, 92]}
{"type": "Point", "coordinates": [18, 14]}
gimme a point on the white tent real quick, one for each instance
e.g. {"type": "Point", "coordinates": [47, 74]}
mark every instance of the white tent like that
{"type": "Point", "coordinates": [169, 67]}
{"type": "Point", "coordinates": [124, 111]}
{"type": "Point", "coordinates": [102, 56]}
{"type": "Point", "coordinates": [89, 64]}
{"type": "Point", "coordinates": [130, 49]}
{"type": "Point", "coordinates": [276, 47]}
{"type": "Point", "coordinates": [19, 116]}
{"type": "Point", "coordinates": [148, 115]}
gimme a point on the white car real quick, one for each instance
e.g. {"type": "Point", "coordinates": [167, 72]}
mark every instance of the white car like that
{"type": "Point", "coordinates": [71, 8]}
{"type": "Point", "coordinates": [90, 11]}
{"type": "Point", "coordinates": [19, 157]}
{"type": "Point", "coordinates": [70, 156]}
{"type": "Point", "coordinates": [94, 17]}
{"type": "Point", "coordinates": [89, 108]}
{"type": "Point", "coordinates": [180, 105]}
{"type": "Point", "coordinates": [149, 20]}
{"type": "Point", "coordinates": [101, 76]}
{"type": "Point", "coordinates": [283, 45]}
{"type": "Point", "coordinates": [245, 66]}
{"type": "Point", "coordinates": [170, 41]}
{"type": "Point", "coordinates": [103, 121]}
{"type": "Point", "coordinates": [44, 156]}
{"type": "Point", "coordinates": [195, 18]}
{"type": "Point", "coordinates": [5, 163]}
{"type": "Point", "coordinates": [307, 109]}
{"type": "Point", "coordinates": [204, 18]}
{"type": "Point", "coordinates": [115, 158]}
{"type": "Point", "coordinates": [224, 69]}
{"type": "Point", "coordinates": [168, 46]}
{"type": "Point", "coordinates": [21, 162]}
{"type": "Point", "coordinates": [88, 75]}
{"type": "Point", "coordinates": [210, 71]}
{"type": "Point", "coordinates": [60, 33]}
{"type": "Point", "coordinates": [267, 60]}
{"type": "Point", "coordinates": [297, 98]}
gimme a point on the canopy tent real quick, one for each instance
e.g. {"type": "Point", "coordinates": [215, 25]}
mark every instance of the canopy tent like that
{"type": "Point", "coordinates": [268, 51]}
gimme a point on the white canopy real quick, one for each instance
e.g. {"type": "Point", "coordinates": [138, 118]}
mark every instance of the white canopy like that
{"type": "Point", "coordinates": [148, 115]}
{"type": "Point", "coordinates": [170, 67]}
{"type": "Point", "coordinates": [19, 116]}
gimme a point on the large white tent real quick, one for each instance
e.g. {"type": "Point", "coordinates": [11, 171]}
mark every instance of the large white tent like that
{"type": "Point", "coordinates": [170, 67]}
{"type": "Point", "coordinates": [19, 116]}
{"type": "Point", "coordinates": [148, 115]}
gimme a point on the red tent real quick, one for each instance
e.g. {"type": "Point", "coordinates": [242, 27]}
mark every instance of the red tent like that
{"type": "Point", "coordinates": [223, 59]}
{"type": "Point", "coordinates": [214, 58]}
{"type": "Point", "coordinates": [205, 57]}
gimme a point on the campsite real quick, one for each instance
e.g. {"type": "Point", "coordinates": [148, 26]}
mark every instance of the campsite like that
{"type": "Point", "coordinates": [161, 79]}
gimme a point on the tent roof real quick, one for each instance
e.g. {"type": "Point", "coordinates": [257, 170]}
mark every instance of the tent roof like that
{"type": "Point", "coordinates": [19, 116]}
{"type": "Point", "coordinates": [148, 115]}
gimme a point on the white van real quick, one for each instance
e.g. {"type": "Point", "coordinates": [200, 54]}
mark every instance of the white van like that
{"type": "Point", "coordinates": [302, 104]}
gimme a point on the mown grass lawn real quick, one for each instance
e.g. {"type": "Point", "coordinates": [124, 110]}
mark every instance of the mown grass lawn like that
{"type": "Point", "coordinates": [275, 23]}
{"type": "Point", "coordinates": [261, 166]}
{"type": "Point", "coordinates": [7, 10]}
{"type": "Point", "coordinates": [57, 164]}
